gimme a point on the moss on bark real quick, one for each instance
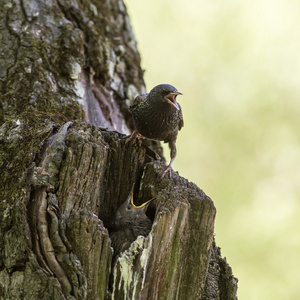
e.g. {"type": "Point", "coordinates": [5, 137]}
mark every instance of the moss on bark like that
{"type": "Point", "coordinates": [66, 64]}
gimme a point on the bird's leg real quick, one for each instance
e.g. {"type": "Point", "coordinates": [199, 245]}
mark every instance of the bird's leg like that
{"type": "Point", "coordinates": [134, 134]}
{"type": "Point", "coordinates": [172, 146]}
{"type": "Point", "coordinates": [168, 169]}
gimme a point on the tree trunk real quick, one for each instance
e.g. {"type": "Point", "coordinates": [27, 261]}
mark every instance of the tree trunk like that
{"type": "Point", "coordinates": [68, 70]}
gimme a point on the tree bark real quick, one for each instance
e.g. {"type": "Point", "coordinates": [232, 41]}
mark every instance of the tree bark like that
{"type": "Point", "coordinates": [68, 71]}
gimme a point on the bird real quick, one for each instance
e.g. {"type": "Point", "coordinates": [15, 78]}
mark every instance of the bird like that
{"type": "Point", "coordinates": [129, 222]}
{"type": "Point", "coordinates": [158, 116]}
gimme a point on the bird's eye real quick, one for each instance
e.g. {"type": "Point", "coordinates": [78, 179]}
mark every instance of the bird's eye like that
{"type": "Point", "coordinates": [129, 207]}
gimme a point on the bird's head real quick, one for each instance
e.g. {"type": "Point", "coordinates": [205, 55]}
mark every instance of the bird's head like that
{"type": "Point", "coordinates": [167, 93]}
{"type": "Point", "coordinates": [129, 211]}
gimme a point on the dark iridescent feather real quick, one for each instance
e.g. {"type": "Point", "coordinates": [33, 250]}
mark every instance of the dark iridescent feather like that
{"type": "Point", "coordinates": [158, 116]}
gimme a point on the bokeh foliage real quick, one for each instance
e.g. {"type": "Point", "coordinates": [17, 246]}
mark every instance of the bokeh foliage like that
{"type": "Point", "coordinates": [238, 66]}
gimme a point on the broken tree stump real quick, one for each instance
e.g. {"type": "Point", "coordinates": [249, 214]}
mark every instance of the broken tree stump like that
{"type": "Point", "coordinates": [69, 70]}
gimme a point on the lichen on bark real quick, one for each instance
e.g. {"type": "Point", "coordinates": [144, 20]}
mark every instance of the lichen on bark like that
{"type": "Point", "coordinates": [68, 72]}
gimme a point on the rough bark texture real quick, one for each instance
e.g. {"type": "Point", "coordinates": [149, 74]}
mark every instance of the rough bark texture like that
{"type": "Point", "coordinates": [220, 282]}
{"type": "Point", "coordinates": [68, 70]}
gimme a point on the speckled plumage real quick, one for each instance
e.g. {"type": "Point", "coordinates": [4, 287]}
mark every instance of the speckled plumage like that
{"type": "Point", "coordinates": [158, 116]}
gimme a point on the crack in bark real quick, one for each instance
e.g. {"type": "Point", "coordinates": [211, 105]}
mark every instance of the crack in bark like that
{"type": "Point", "coordinates": [47, 247]}
{"type": "Point", "coordinates": [46, 235]}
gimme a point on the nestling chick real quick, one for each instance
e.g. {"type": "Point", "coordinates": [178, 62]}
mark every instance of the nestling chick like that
{"type": "Point", "coordinates": [129, 222]}
{"type": "Point", "coordinates": [158, 116]}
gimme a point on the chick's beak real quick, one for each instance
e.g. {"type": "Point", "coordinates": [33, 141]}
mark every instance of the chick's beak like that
{"type": "Point", "coordinates": [171, 98]}
{"type": "Point", "coordinates": [142, 206]}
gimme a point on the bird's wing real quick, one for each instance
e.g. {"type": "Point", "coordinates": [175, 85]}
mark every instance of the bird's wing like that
{"type": "Point", "coordinates": [181, 123]}
{"type": "Point", "coordinates": [138, 100]}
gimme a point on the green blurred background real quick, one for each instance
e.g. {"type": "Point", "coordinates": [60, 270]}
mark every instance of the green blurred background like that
{"type": "Point", "coordinates": [237, 64]}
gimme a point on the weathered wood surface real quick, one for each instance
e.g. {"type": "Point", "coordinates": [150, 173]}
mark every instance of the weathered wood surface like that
{"type": "Point", "coordinates": [170, 263]}
{"type": "Point", "coordinates": [66, 64]}
{"type": "Point", "coordinates": [173, 259]}
{"type": "Point", "coordinates": [220, 282]}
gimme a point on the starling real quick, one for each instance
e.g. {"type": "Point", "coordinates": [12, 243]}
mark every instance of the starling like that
{"type": "Point", "coordinates": [158, 116]}
{"type": "Point", "coordinates": [129, 222]}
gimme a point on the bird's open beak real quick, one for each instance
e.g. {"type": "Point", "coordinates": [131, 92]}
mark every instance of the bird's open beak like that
{"type": "Point", "coordinates": [144, 205]}
{"type": "Point", "coordinates": [171, 98]}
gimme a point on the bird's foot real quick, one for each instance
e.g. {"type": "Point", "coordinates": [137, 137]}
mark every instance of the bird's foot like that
{"type": "Point", "coordinates": [134, 135]}
{"type": "Point", "coordinates": [167, 169]}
